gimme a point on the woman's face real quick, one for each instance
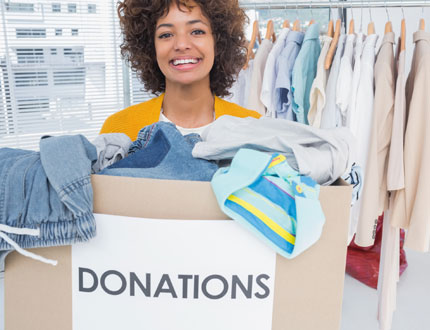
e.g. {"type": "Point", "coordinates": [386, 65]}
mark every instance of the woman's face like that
{"type": "Point", "coordinates": [184, 46]}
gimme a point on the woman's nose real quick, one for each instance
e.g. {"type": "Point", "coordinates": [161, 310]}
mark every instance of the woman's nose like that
{"type": "Point", "coordinates": [182, 42]}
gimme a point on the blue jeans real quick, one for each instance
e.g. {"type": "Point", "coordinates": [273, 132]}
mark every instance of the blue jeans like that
{"type": "Point", "coordinates": [46, 197]}
{"type": "Point", "coordinates": [161, 152]}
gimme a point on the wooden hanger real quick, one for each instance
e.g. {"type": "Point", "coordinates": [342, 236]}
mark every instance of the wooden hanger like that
{"type": "Point", "coordinates": [351, 27]}
{"type": "Point", "coordinates": [422, 25]}
{"type": "Point", "coordinates": [403, 35]}
{"type": "Point", "coordinates": [330, 29]}
{"type": "Point", "coordinates": [333, 45]}
{"type": "Point", "coordinates": [286, 24]}
{"type": "Point", "coordinates": [296, 25]}
{"type": "Point", "coordinates": [255, 35]}
{"type": "Point", "coordinates": [388, 27]}
{"type": "Point", "coordinates": [371, 28]}
{"type": "Point", "coordinates": [270, 32]}
{"type": "Point", "coordinates": [312, 21]}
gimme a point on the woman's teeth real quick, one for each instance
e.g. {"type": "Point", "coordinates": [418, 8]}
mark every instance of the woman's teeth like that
{"type": "Point", "coordinates": [186, 61]}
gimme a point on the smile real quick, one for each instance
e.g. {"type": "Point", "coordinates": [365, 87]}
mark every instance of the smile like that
{"type": "Point", "coordinates": [185, 61]}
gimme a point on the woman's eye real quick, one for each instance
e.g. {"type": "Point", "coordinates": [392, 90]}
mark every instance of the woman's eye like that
{"type": "Point", "coordinates": [164, 35]}
{"type": "Point", "coordinates": [198, 32]}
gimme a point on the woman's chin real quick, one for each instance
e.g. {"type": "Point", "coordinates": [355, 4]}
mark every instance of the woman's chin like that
{"type": "Point", "coordinates": [189, 83]}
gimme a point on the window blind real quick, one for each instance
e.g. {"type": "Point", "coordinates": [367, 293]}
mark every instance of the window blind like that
{"type": "Point", "coordinates": [60, 69]}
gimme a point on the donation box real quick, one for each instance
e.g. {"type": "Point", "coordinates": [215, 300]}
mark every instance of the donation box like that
{"type": "Point", "coordinates": [166, 258]}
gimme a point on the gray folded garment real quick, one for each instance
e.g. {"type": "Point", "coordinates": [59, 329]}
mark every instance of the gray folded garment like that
{"type": "Point", "coordinates": [111, 148]}
{"type": "Point", "coordinates": [323, 154]}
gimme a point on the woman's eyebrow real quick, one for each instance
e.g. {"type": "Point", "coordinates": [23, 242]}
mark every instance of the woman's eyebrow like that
{"type": "Point", "coordinates": [163, 25]}
{"type": "Point", "coordinates": [195, 21]}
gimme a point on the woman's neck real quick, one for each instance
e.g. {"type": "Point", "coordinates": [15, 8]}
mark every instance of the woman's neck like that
{"type": "Point", "coordinates": [188, 106]}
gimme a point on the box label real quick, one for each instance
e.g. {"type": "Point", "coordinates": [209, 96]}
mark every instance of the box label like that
{"type": "Point", "coordinates": [172, 274]}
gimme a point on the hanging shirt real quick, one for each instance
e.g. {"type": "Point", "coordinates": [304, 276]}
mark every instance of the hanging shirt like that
{"type": "Point", "coordinates": [351, 115]}
{"type": "Point", "coordinates": [412, 204]}
{"type": "Point", "coordinates": [396, 171]}
{"type": "Point", "coordinates": [304, 72]}
{"type": "Point", "coordinates": [343, 87]}
{"type": "Point", "coordinates": [388, 273]}
{"type": "Point", "coordinates": [317, 94]}
{"type": "Point", "coordinates": [267, 96]}
{"type": "Point", "coordinates": [285, 64]}
{"type": "Point", "coordinates": [361, 124]}
{"type": "Point", "coordinates": [375, 193]}
{"type": "Point", "coordinates": [260, 59]}
{"type": "Point", "coordinates": [390, 251]}
{"type": "Point", "coordinates": [240, 89]}
{"type": "Point", "coordinates": [331, 116]}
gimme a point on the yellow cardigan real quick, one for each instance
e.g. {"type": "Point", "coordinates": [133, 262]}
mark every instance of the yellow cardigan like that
{"type": "Point", "coordinates": [132, 119]}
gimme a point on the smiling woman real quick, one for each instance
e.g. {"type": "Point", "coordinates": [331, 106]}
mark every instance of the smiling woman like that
{"type": "Point", "coordinates": [190, 53]}
{"type": "Point", "coordinates": [184, 47]}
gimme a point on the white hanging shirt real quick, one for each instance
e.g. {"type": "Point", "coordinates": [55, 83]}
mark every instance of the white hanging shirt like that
{"type": "Point", "coordinates": [351, 111]}
{"type": "Point", "coordinates": [343, 87]}
{"type": "Point", "coordinates": [362, 120]}
{"type": "Point", "coordinates": [267, 96]}
{"type": "Point", "coordinates": [317, 96]}
{"type": "Point", "coordinates": [240, 89]}
{"type": "Point", "coordinates": [260, 59]}
{"type": "Point", "coordinates": [331, 116]}
{"type": "Point", "coordinates": [361, 117]}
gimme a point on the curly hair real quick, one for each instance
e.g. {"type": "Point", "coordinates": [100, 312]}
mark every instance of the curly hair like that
{"type": "Point", "coordinates": [138, 20]}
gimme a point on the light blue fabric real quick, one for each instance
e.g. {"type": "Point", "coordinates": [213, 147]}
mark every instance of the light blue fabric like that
{"type": "Point", "coordinates": [285, 64]}
{"type": "Point", "coordinates": [162, 152]}
{"type": "Point", "coordinates": [48, 190]}
{"type": "Point", "coordinates": [251, 168]}
{"type": "Point", "coordinates": [304, 72]}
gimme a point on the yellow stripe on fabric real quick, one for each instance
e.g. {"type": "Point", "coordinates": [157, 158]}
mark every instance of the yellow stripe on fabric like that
{"type": "Point", "coordinates": [269, 222]}
{"type": "Point", "coordinates": [268, 202]}
{"type": "Point", "coordinates": [277, 160]}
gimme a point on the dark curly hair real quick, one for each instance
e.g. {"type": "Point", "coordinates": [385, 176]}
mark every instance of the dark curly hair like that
{"type": "Point", "coordinates": [138, 20]}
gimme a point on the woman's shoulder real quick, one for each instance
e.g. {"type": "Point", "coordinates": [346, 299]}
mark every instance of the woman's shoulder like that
{"type": "Point", "coordinates": [133, 118]}
{"type": "Point", "coordinates": [223, 107]}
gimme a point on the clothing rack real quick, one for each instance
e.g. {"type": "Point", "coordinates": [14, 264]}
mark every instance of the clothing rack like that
{"type": "Point", "coordinates": [334, 4]}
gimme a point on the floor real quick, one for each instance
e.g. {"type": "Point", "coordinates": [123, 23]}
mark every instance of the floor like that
{"type": "Point", "coordinates": [413, 303]}
{"type": "Point", "coordinates": [360, 301]}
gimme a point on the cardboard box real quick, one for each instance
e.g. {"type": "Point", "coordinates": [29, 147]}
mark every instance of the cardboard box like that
{"type": "Point", "coordinates": [308, 290]}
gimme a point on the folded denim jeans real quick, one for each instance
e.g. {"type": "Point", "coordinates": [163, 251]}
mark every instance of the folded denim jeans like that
{"type": "Point", "coordinates": [46, 197]}
{"type": "Point", "coordinates": [268, 197]}
{"type": "Point", "coordinates": [161, 152]}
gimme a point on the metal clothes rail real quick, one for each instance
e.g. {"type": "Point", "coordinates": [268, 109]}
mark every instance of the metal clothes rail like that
{"type": "Point", "coordinates": [334, 4]}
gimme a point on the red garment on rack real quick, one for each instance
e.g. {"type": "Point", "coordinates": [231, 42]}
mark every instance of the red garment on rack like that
{"type": "Point", "coordinates": [362, 263]}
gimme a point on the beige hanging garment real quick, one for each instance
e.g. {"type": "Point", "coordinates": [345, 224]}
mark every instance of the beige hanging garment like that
{"type": "Point", "coordinates": [411, 209]}
{"type": "Point", "coordinates": [375, 195]}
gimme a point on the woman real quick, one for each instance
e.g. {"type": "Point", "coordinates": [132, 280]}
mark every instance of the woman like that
{"type": "Point", "coordinates": [187, 51]}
